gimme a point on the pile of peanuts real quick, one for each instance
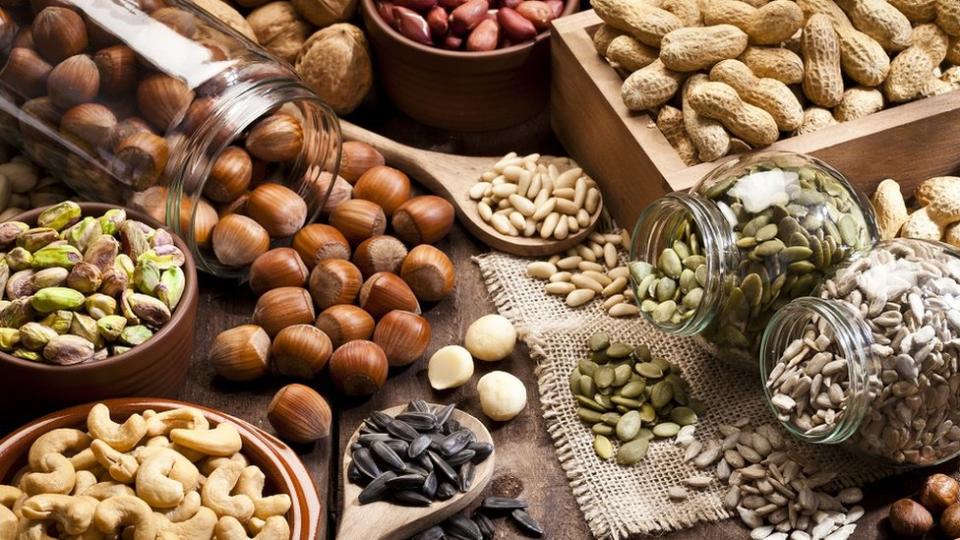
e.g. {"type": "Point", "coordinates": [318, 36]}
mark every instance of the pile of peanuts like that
{"type": "Point", "coordinates": [588, 271]}
{"type": "Point", "coordinates": [936, 215]}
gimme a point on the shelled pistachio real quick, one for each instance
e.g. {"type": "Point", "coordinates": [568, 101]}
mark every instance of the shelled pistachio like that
{"type": "Point", "coordinates": [628, 395]}
{"type": "Point", "coordinates": [75, 289]}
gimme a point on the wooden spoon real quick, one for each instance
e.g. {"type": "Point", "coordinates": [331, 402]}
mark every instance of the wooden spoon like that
{"type": "Point", "coordinates": [382, 520]}
{"type": "Point", "coordinates": [451, 177]}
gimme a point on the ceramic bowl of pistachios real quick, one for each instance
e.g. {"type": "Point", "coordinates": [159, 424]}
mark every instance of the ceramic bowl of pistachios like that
{"type": "Point", "coordinates": [97, 301]}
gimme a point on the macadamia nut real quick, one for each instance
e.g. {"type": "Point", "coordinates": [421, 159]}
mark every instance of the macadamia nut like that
{"type": "Point", "coordinates": [450, 367]}
{"type": "Point", "coordinates": [502, 396]}
{"type": "Point", "coordinates": [490, 338]}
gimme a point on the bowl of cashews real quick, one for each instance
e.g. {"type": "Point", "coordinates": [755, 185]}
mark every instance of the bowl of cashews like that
{"type": "Point", "coordinates": [152, 469]}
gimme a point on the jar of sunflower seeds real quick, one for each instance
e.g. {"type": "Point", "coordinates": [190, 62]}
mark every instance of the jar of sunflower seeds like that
{"type": "Point", "coordinates": [719, 261]}
{"type": "Point", "coordinates": [872, 360]}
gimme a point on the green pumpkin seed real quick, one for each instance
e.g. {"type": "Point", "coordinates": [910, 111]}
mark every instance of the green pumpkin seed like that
{"type": "Point", "coordinates": [619, 350]}
{"type": "Point", "coordinates": [767, 232]}
{"type": "Point", "coordinates": [802, 267]}
{"type": "Point", "coordinates": [666, 288]}
{"type": "Point", "coordinates": [633, 451]}
{"type": "Point", "coordinates": [669, 263]}
{"type": "Point", "coordinates": [587, 386]}
{"type": "Point", "coordinates": [664, 311]}
{"type": "Point", "coordinates": [610, 418]}
{"type": "Point", "coordinates": [587, 367]}
{"type": "Point", "coordinates": [746, 242]}
{"type": "Point", "coordinates": [770, 247]}
{"type": "Point", "coordinates": [629, 426]}
{"type": "Point", "coordinates": [599, 341]}
{"type": "Point", "coordinates": [588, 415]}
{"type": "Point", "coordinates": [683, 416]}
{"type": "Point", "coordinates": [649, 370]}
{"type": "Point", "coordinates": [661, 394]}
{"type": "Point", "coordinates": [590, 404]}
{"type": "Point", "coordinates": [603, 377]}
{"type": "Point", "coordinates": [626, 402]}
{"type": "Point", "coordinates": [849, 230]}
{"type": "Point", "coordinates": [603, 429]}
{"type": "Point", "coordinates": [575, 380]}
{"type": "Point", "coordinates": [647, 413]}
{"type": "Point", "coordinates": [603, 447]}
{"type": "Point", "coordinates": [642, 353]}
{"type": "Point", "coordinates": [632, 389]}
{"type": "Point", "coordinates": [604, 401]}
{"type": "Point", "coordinates": [621, 374]}
{"type": "Point", "coordinates": [645, 433]}
{"type": "Point", "coordinates": [666, 429]}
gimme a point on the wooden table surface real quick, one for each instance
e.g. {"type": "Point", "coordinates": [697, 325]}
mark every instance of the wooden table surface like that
{"type": "Point", "coordinates": [526, 461]}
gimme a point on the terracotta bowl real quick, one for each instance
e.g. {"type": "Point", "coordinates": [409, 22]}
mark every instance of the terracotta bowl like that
{"type": "Point", "coordinates": [284, 471]}
{"type": "Point", "coordinates": [459, 90]}
{"type": "Point", "coordinates": [156, 368]}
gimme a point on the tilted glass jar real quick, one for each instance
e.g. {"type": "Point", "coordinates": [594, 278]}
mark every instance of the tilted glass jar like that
{"type": "Point", "coordinates": [158, 105]}
{"type": "Point", "coordinates": [755, 233]}
{"type": "Point", "coordinates": [872, 360]}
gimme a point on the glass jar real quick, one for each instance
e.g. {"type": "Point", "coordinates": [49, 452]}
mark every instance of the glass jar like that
{"type": "Point", "coordinates": [158, 105]}
{"type": "Point", "coordinates": [873, 359]}
{"type": "Point", "coordinates": [752, 235]}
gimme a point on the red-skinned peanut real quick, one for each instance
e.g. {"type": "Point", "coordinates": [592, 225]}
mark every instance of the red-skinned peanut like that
{"type": "Point", "coordinates": [537, 12]}
{"type": "Point", "coordinates": [438, 21]}
{"type": "Point", "coordinates": [466, 17]}
{"type": "Point", "coordinates": [515, 26]}
{"type": "Point", "coordinates": [484, 37]}
{"type": "Point", "coordinates": [412, 25]}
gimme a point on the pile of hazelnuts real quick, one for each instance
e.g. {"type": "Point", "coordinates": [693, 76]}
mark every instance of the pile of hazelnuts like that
{"type": "Point", "coordinates": [939, 503]}
{"type": "Point", "coordinates": [345, 298]}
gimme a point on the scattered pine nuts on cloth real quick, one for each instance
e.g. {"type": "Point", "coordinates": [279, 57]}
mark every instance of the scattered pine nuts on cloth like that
{"type": "Point", "coordinates": [618, 501]}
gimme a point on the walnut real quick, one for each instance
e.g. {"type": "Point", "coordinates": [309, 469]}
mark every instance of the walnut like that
{"type": "Point", "coordinates": [325, 12]}
{"type": "Point", "coordinates": [279, 29]}
{"type": "Point", "coordinates": [335, 63]}
{"type": "Point", "coordinates": [228, 16]}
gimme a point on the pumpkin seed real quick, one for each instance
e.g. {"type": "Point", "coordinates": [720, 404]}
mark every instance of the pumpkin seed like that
{"type": "Point", "coordinates": [633, 451]}
{"type": "Point", "coordinates": [629, 426]}
{"type": "Point", "coordinates": [683, 416]}
{"type": "Point", "coordinates": [599, 341]}
{"type": "Point", "coordinates": [666, 429]}
{"type": "Point", "coordinates": [649, 370]}
{"type": "Point", "coordinates": [603, 447]}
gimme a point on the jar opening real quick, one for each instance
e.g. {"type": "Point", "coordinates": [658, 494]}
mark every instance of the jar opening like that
{"type": "Point", "coordinates": [816, 366]}
{"type": "Point", "coordinates": [682, 248]}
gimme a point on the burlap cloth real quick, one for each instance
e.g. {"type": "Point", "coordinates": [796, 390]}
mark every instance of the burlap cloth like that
{"type": "Point", "coordinates": [617, 501]}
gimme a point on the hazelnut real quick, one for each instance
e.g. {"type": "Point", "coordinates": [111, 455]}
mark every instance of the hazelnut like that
{"type": "Point", "coordinates": [334, 281]}
{"type": "Point", "coordinates": [938, 492]}
{"type": "Point", "coordinates": [279, 29]}
{"type": "Point", "coordinates": [182, 22]}
{"type": "Point", "coordinates": [280, 210]}
{"type": "Point", "coordinates": [279, 308]}
{"type": "Point", "coordinates": [379, 254]}
{"type": "Point", "coordinates": [150, 6]}
{"type": "Point", "coordinates": [202, 222]}
{"type": "Point", "coordinates": [140, 159]}
{"type": "Point", "coordinates": [950, 521]}
{"type": "Point", "coordinates": [358, 158]}
{"type": "Point", "coordinates": [385, 186]}
{"type": "Point", "coordinates": [230, 175]}
{"type": "Point", "coordinates": [59, 33]}
{"type": "Point", "coordinates": [300, 351]}
{"type": "Point", "coordinates": [318, 241]}
{"type": "Point", "coordinates": [910, 519]}
{"type": "Point", "coordinates": [8, 30]}
{"type": "Point", "coordinates": [74, 81]}
{"type": "Point", "coordinates": [335, 63]}
{"type": "Point", "coordinates": [335, 195]}
{"type": "Point", "coordinates": [163, 100]}
{"type": "Point", "coordinates": [24, 38]}
{"type": "Point", "coordinates": [118, 70]}
{"type": "Point", "coordinates": [278, 137]}
{"type": "Point", "coordinates": [98, 36]}
{"type": "Point", "coordinates": [358, 220]}
{"type": "Point", "coordinates": [359, 368]}
{"type": "Point", "coordinates": [129, 126]}
{"type": "Point", "coordinates": [279, 267]}
{"type": "Point", "coordinates": [239, 240]}
{"type": "Point", "coordinates": [91, 123]}
{"type": "Point", "coordinates": [299, 414]}
{"type": "Point", "coordinates": [429, 273]}
{"type": "Point", "coordinates": [423, 220]}
{"type": "Point", "coordinates": [26, 73]}
{"type": "Point", "coordinates": [343, 323]}
{"type": "Point", "coordinates": [403, 336]}
{"type": "Point", "coordinates": [384, 292]}
{"type": "Point", "coordinates": [241, 353]}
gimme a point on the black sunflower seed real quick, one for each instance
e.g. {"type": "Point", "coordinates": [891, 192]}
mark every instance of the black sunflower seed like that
{"type": "Point", "coordinates": [380, 419]}
{"type": "Point", "coordinates": [482, 451]}
{"type": "Point", "coordinates": [406, 481]}
{"type": "Point", "coordinates": [367, 429]}
{"type": "Point", "coordinates": [446, 490]}
{"type": "Point", "coordinates": [376, 489]}
{"type": "Point", "coordinates": [420, 421]}
{"type": "Point", "coordinates": [386, 455]}
{"type": "Point", "coordinates": [433, 533]}
{"type": "Point", "coordinates": [418, 446]}
{"type": "Point", "coordinates": [418, 405]}
{"type": "Point", "coordinates": [424, 461]}
{"type": "Point", "coordinates": [356, 446]}
{"type": "Point", "coordinates": [446, 471]}
{"type": "Point", "coordinates": [369, 438]}
{"type": "Point", "coordinates": [363, 459]}
{"type": "Point", "coordinates": [463, 526]}
{"type": "Point", "coordinates": [487, 528]}
{"type": "Point", "coordinates": [461, 457]}
{"type": "Point", "coordinates": [403, 430]}
{"type": "Point", "coordinates": [503, 503]}
{"type": "Point", "coordinates": [456, 441]}
{"type": "Point", "coordinates": [354, 475]}
{"type": "Point", "coordinates": [398, 446]}
{"type": "Point", "coordinates": [527, 524]}
{"type": "Point", "coordinates": [410, 498]}
{"type": "Point", "coordinates": [466, 476]}
{"type": "Point", "coordinates": [451, 426]}
{"type": "Point", "coordinates": [429, 487]}
{"type": "Point", "coordinates": [415, 469]}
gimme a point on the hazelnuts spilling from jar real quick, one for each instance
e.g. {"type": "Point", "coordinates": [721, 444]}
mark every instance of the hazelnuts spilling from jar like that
{"type": "Point", "coordinates": [938, 504]}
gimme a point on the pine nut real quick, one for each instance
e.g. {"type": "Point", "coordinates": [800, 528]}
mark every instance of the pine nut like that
{"type": "Point", "coordinates": [523, 205]}
{"type": "Point", "coordinates": [583, 282]}
{"type": "Point", "coordinates": [566, 206]}
{"type": "Point", "coordinates": [612, 301]}
{"type": "Point", "coordinates": [478, 189]}
{"type": "Point", "coordinates": [549, 225]}
{"type": "Point", "coordinates": [610, 255]}
{"type": "Point", "coordinates": [580, 192]}
{"type": "Point", "coordinates": [517, 220]}
{"type": "Point", "coordinates": [623, 310]}
{"type": "Point", "coordinates": [586, 253]}
{"type": "Point", "coordinates": [583, 218]}
{"type": "Point", "coordinates": [502, 225]}
{"type": "Point", "coordinates": [602, 279]}
{"type": "Point", "coordinates": [513, 172]}
{"type": "Point", "coordinates": [617, 286]}
{"type": "Point", "coordinates": [580, 297]}
{"type": "Point", "coordinates": [569, 263]}
{"type": "Point", "coordinates": [619, 271]}
{"type": "Point", "coordinates": [592, 200]}
{"type": "Point", "coordinates": [561, 276]}
{"type": "Point", "coordinates": [562, 288]}
{"type": "Point", "coordinates": [569, 178]}
{"type": "Point", "coordinates": [564, 193]}
{"type": "Point", "coordinates": [535, 186]}
{"type": "Point", "coordinates": [541, 270]}
{"type": "Point", "coordinates": [504, 190]}
{"type": "Point", "coordinates": [572, 224]}
{"type": "Point", "coordinates": [530, 229]}
{"type": "Point", "coordinates": [544, 209]}
{"type": "Point", "coordinates": [562, 230]}
{"type": "Point", "coordinates": [587, 265]}
{"type": "Point", "coordinates": [485, 211]}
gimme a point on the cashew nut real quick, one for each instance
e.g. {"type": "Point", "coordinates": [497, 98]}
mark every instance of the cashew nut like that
{"type": "Point", "coordinates": [255, 525]}
{"type": "Point", "coordinates": [276, 528]}
{"type": "Point", "coordinates": [9, 495]}
{"type": "Point", "coordinates": [57, 476]}
{"type": "Point", "coordinates": [73, 514]}
{"type": "Point", "coordinates": [90, 534]}
{"type": "Point", "coordinates": [33, 530]}
{"type": "Point", "coordinates": [120, 466]}
{"type": "Point", "coordinates": [122, 437]}
{"type": "Point", "coordinates": [8, 524]}
{"type": "Point", "coordinates": [224, 440]}
{"type": "Point", "coordinates": [58, 441]}
{"type": "Point", "coordinates": [84, 460]}
{"type": "Point", "coordinates": [85, 479]}
{"type": "Point", "coordinates": [160, 440]}
{"type": "Point", "coordinates": [251, 484]}
{"type": "Point", "coordinates": [126, 510]}
{"type": "Point", "coordinates": [165, 477]}
{"type": "Point", "coordinates": [210, 464]}
{"type": "Point", "coordinates": [104, 490]}
{"type": "Point", "coordinates": [185, 417]}
{"type": "Point", "coordinates": [199, 527]}
{"type": "Point", "coordinates": [216, 493]}
{"type": "Point", "coordinates": [186, 510]}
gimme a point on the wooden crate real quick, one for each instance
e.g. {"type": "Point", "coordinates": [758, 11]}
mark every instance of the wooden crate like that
{"type": "Point", "coordinates": [630, 158]}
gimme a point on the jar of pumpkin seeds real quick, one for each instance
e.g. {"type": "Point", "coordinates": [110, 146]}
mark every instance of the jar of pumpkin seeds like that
{"type": "Point", "coordinates": [872, 360]}
{"type": "Point", "coordinates": [757, 232]}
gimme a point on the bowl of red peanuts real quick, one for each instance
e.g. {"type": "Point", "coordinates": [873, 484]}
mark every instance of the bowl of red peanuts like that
{"type": "Point", "coordinates": [464, 65]}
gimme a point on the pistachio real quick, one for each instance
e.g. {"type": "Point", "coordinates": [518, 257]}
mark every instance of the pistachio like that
{"type": "Point", "coordinates": [9, 338]}
{"type": "Point", "coordinates": [35, 336]}
{"type": "Point", "coordinates": [67, 350]}
{"type": "Point", "coordinates": [61, 255]}
{"type": "Point", "coordinates": [33, 356]}
{"type": "Point", "coordinates": [102, 251]}
{"type": "Point", "coordinates": [54, 298]}
{"type": "Point", "coordinates": [9, 231]}
{"type": "Point", "coordinates": [135, 335]}
{"type": "Point", "coordinates": [81, 233]}
{"type": "Point", "coordinates": [18, 259]}
{"type": "Point", "coordinates": [99, 305]}
{"type": "Point", "coordinates": [119, 349]}
{"type": "Point", "coordinates": [146, 276]}
{"type": "Point", "coordinates": [133, 239]}
{"type": "Point", "coordinates": [59, 216]}
{"type": "Point", "coordinates": [161, 237]}
{"type": "Point", "coordinates": [165, 256]}
{"type": "Point", "coordinates": [126, 309]}
{"type": "Point", "coordinates": [48, 277]}
{"type": "Point", "coordinates": [17, 313]}
{"type": "Point", "coordinates": [111, 221]}
{"type": "Point", "coordinates": [59, 321]}
{"type": "Point", "coordinates": [111, 326]}
{"type": "Point", "coordinates": [34, 239]}
{"type": "Point", "coordinates": [114, 282]}
{"type": "Point", "coordinates": [150, 310]}
{"type": "Point", "coordinates": [172, 284]}
{"type": "Point", "coordinates": [125, 265]}
{"type": "Point", "coordinates": [84, 277]}
{"type": "Point", "coordinates": [20, 284]}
